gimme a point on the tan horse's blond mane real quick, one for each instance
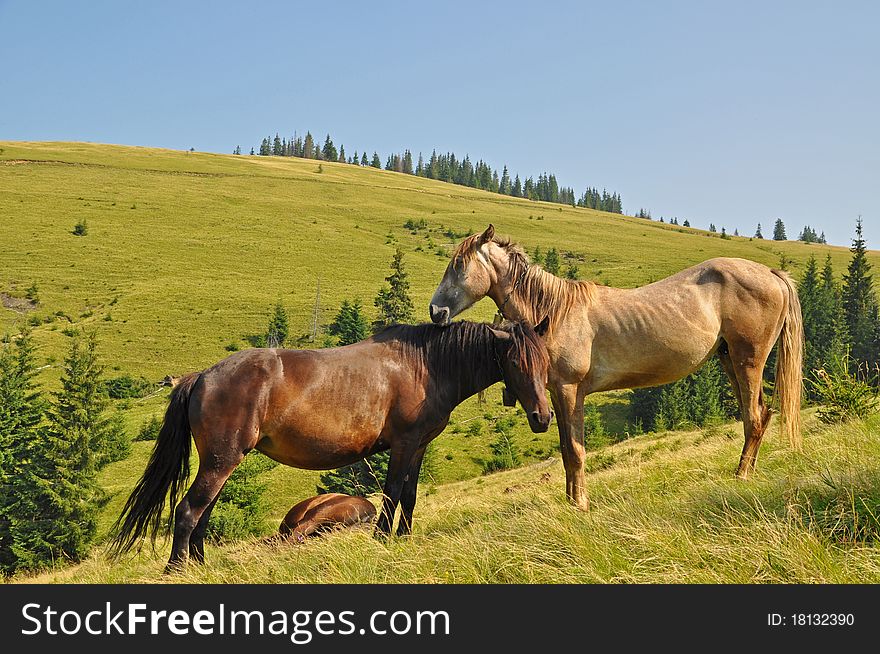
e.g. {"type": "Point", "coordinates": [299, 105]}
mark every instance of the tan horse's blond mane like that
{"type": "Point", "coordinates": [542, 292]}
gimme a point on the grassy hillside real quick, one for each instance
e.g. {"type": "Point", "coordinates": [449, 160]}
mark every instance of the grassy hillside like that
{"type": "Point", "coordinates": [666, 508]}
{"type": "Point", "coordinates": [186, 252]}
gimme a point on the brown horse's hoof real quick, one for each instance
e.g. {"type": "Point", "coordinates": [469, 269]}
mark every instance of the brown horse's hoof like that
{"type": "Point", "coordinates": [174, 568]}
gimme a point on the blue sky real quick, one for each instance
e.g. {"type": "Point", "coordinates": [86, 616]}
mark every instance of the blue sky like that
{"type": "Point", "coordinates": [733, 113]}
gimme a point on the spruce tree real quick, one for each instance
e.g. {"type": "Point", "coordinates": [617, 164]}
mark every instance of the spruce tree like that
{"type": "Point", "coordinates": [364, 160]}
{"type": "Point", "coordinates": [705, 403]}
{"type": "Point", "coordinates": [779, 230]}
{"type": "Point", "coordinates": [393, 301]}
{"type": "Point", "coordinates": [758, 233]}
{"type": "Point", "coordinates": [279, 327]}
{"type": "Point", "coordinates": [21, 414]}
{"type": "Point", "coordinates": [54, 501]}
{"type": "Point", "coordinates": [308, 146]}
{"type": "Point", "coordinates": [329, 152]}
{"type": "Point", "coordinates": [376, 162]}
{"type": "Point", "coordinates": [350, 324]}
{"type": "Point", "coordinates": [824, 334]}
{"type": "Point", "coordinates": [552, 261]}
{"type": "Point", "coordinates": [860, 303]}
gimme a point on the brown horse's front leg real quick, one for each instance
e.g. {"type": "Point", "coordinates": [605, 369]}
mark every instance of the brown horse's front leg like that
{"type": "Point", "coordinates": [397, 469]}
{"type": "Point", "coordinates": [569, 408]}
{"type": "Point", "coordinates": [410, 492]}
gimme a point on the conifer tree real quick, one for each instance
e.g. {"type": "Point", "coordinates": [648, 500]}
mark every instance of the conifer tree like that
{"type": "Point", "coordinates": [341, 158]}
{"type": "Point", "coordinates": [329, 152]}
{"type": "Point", "coordinates": [779, 230]}
{"type": "Point", "coordinates": [860, 303]}
{"type": "Point", "coordinates": [350, 324]}
{"type": "Point", "coordinates": [279, 327]}
{"type": "Point", "coordinates": [364, 160]}
{"type": "Point", "coordinates": [822, 316]}
{"type": "Point", "coordinates": [504, 185]}
{"type": "Point", "coordinates": [758, 233]}
{"type": "Point", "coordinates": [552, 262]}
{"type": "Point", "coordinates": [56, 498]}
{"type": "Point", "coordinates": [308, 146]}
{"type": "Point", "coordinates": [21, 413]}
{"type": "Point", "coordinates": [376, 162]}
{"type": "Point", "coordinates": [393, 301]}
{"type": "Point", "coordinates": [517, 189]}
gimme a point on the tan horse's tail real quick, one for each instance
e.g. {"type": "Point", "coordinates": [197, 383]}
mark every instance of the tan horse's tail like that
{"type": "Point", "coordinates": [789, 364]}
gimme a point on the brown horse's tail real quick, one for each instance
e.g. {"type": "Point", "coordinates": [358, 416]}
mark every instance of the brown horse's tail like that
{"type": "Point", "coordinates": [165, 476]}
{"type": "Point", "coordinates": [789, 364]}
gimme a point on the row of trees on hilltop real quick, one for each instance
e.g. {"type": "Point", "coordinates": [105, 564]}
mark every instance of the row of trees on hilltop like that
{"type": "Point", "coordinates": [444, 167]}
{"type": "Point", "coordinates": [807, 235]}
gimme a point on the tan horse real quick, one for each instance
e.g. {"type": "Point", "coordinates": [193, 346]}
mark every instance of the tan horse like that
{"type": "Point", "coordinates": [603, 338]}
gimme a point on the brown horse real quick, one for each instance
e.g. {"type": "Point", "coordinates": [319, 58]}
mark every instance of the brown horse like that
{"type": "Point", "coordinates": [323, 512]}
{"type": "Point", "coordinates": [603, 338]}
{"type": "Point", "coordinates": [322, 409]}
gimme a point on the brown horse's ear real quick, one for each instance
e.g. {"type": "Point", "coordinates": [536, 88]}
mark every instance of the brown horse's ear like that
{"type": "Point", "coordinates": [500, 334]}
{"type": "Point", "coordinates": [542, 327]}
{"type": "Point", "coordinates": [488, 235]}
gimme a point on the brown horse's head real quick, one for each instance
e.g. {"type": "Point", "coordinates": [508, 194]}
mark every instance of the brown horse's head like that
{"type": "Point", "coordinates": [524, 363]}
{"type": "Point", "coordinates": [468, 278]}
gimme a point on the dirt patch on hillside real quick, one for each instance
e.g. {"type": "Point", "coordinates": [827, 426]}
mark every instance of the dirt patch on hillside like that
{"type": "Point", "coordinates": [19, 304]}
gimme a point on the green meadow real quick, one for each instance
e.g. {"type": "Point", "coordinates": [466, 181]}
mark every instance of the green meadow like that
{"type": "Point", "coordinates": [185, 254]}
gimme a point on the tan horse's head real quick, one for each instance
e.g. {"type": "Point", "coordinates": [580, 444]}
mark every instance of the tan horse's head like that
{"type": "Point", "coordinates": [469, 277]}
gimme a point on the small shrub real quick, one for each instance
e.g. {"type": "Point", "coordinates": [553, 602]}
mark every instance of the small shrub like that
{"type": "Point", "coordinates": [241, 508]}
{"type": "Point", "coordinates": [33, 293]}
{"type": "Point", "coordinates": [598, 462]}
{"type": "Point", "coordinates": [231, 347]}
{"type": "Point", "coordinates": [505, 453]}
{"type": "Point", "coordinates": [81, 228]}
{"type": "Point", "coordinates": [595, 435]}
{"type": "Point", "coordinates": [126, 386]}
{"type": "Point", "coordinates": [149, 429]}
{"type": "Point", "coordinates": [474, 429]}
{"type": "Point", "coordinates": [844, 395]}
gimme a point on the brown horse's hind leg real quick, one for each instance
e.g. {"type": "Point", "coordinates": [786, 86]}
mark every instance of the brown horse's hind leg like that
{"type": "Point", "coordinates": [195, 503]}
{"type": "Point", "coordinates": [568, 402]}
{"type": "Point", "coordinates": [748, 366]}
{"type": "Point", "coordinates": [197, 538]}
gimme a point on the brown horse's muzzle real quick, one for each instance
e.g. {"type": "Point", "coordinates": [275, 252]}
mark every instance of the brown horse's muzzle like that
{"type": "Point", "coordinates": [539, 422]}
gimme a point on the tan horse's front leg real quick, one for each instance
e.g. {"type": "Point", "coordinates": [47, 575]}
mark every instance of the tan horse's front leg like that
{"type": "Point", "coordinates": [569, 409]}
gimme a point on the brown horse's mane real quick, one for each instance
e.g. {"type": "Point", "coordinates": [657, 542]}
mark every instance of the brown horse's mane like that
{"type": "Point", "coordinates": [465, 346]}
{"type": "Point", "coordinates": [542, 292]}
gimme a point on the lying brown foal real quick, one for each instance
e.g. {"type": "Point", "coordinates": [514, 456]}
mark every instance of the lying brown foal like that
{"type": "Point", "coordinates": [323, 512]}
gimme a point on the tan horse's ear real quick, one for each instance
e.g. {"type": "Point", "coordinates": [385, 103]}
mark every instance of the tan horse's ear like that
{"type": "Point", "coordinates": [542, 327]}
{"type": "Point", "coordinates": [488, 235]}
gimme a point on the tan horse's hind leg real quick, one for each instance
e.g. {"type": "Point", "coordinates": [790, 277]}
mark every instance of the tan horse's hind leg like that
{"type": "Point", "coordinates": [568, 403]}
{"type": "Point", "coordinates": [748, 366]}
